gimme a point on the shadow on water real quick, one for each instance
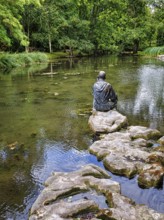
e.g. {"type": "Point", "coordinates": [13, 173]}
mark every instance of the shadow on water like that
{"type": "Point", "coordinates": [44, 123]}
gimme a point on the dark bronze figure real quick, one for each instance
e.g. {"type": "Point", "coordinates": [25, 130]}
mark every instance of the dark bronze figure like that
{"type": "Point", "coordinates": [104, 95]}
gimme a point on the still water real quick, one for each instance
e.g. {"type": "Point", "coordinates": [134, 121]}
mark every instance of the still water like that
{"type": "Point", "coordinates": [44, 128]}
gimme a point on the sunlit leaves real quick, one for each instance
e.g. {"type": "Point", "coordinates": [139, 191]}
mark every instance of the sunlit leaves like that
{"type": "Point", "coordinates": [10, 21]}
{"type": "Point", "coordinates": [113, 25]}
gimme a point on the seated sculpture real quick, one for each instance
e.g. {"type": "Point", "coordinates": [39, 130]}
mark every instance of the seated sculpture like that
{"type": "Point", "coordinates": [104, 96]}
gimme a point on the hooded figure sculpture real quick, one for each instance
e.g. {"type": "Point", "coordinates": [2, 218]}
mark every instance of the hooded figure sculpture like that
{"type": "Point", "coordinates": [105, 97]}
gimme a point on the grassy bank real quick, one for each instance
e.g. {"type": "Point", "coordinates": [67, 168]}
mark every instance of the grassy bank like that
{"type": "Point", "coordinates": [8, 60]}
{"type": "Point", "coordinates": [154, 51]}
{"type": "Point", "coordinates": [21, 59]}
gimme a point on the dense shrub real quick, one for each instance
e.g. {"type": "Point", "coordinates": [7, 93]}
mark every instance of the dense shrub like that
{"type": "Point", "coordinates": [21, 59]}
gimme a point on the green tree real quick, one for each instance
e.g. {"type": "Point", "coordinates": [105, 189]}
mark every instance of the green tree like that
{"type": "Point", "coordinates": [136, 24]}
{"type": "Point", "coordinates": [158, 15]}
{"type": "Point", "coordinates": [75, 34]}
{"type": "Point", "coordinates": [115, 25]}
{"type": "Point", "coordinates": [49, 24]}
{"type": "Point", "coordinates": [84, 25]}
{"type": "Point", "coordinates": [58, 26]}
{"type": "Point", "coordinates": [11, 28]}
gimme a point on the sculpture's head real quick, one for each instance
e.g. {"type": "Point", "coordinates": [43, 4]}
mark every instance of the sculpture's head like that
{"type": "Point", "coordinates": [101, 75]}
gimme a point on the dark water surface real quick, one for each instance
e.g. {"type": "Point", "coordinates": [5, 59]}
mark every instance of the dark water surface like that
{"type": "Point", "coordinates": [43, 127]}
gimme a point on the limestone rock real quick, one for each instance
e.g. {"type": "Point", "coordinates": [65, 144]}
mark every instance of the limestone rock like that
{"type": "Point", "coordinates": [156, 157]}
{"type": "Point", "coordinates": [106, 122]}
{"type": "Point", "coordinates": [125, 209]}
{"type": "Point", "coordinates": [120, 154]}
{"type": "Point", "coordinates": [143, 132]}
{"type": "Point", "coordinates": [64, 210]}
{"type": "Point", "coordinates": [60, 186]}
{"type": "Point", "coordinates": [124, 155]}
{"type": "Point", "coordinates": [119, 165]}
{"type": "Point", "coordinates": [151, 175]}
{"type": "Point", "coordinates": [57, 201]}
{"type": "Point", "coordinates": [161, 141]}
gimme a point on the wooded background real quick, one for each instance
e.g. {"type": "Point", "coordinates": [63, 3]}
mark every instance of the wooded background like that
{"type": "Point", "coordinates": [102, 26]}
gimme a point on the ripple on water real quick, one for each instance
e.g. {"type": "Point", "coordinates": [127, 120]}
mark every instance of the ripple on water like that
{"type": "Point", "coordinates": [60, 157]}
{"type": "Point", "coordinates": [153, 197]}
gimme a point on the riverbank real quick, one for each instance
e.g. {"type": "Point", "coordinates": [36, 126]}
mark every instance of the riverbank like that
{"type": "Point", "coordinates": [8, 61]}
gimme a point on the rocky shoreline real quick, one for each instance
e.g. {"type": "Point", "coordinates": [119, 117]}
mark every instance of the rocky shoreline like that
{"type": "Point", "coordinates": [126, 151]}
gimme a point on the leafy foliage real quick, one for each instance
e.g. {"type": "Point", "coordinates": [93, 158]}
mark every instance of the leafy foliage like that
{"type": "Point", "coordinates": [84, 25]}
{"type": "Point", "coordinates": [10, 21]}
{"type": "Point", "coordinates": [8, 61]}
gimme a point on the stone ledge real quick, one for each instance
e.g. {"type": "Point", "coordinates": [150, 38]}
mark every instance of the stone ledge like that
{"type": "Point", "coordinates": [129, 151]}
{"type": "Point", "coordinates": [57, 201]}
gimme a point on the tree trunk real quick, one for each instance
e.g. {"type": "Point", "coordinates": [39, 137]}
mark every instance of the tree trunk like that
{"type": "Point", "coordinates": [28, 36]}
{"type": "Point", "coordinates": [135, 46]}
{"type": "Point", "coordinates": [50, 43]}
{"type": "Point", "coordinates": [70, 52]}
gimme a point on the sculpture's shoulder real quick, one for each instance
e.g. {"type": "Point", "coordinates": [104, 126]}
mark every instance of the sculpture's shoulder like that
{"type": "Point", "coordinates": [108, 84]}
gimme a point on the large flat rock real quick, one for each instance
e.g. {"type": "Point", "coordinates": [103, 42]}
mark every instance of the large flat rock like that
{"type": "Point", "coordinates": [77, 195]}
{"type": "Point", "coordinates": [107, 122]}
{"type": "Point", "coordinates": [129, 153]}
{"type": "Point", "coordinates": [57, 199]}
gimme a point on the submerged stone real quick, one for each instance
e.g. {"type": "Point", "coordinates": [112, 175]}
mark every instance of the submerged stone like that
{"type": "Point", "coordinates": [72, 74]}
{"type": "Point", "coordinates": [84, 111]}
{"type": "Point", "coordinates": [49, 74]}
{"type": "Point", "coordinates": [13, 145]}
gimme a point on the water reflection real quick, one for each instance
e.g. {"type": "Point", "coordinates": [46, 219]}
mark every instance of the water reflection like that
{"type": "Point", "coordinates": [59, 156]}
{"type": "Point", "coordinates": [40, 112]}
{"type": "Point", "coordinates": [154, 198]}
{"type": "Point", "coordinates": [150, 94]}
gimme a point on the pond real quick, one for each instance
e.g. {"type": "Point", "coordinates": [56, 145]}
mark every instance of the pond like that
{"type": "Point", "coordinates": [44, 123]}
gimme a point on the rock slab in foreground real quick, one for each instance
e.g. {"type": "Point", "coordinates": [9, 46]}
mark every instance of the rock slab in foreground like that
{"type": "Point", "coordinates": [64, 198]}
